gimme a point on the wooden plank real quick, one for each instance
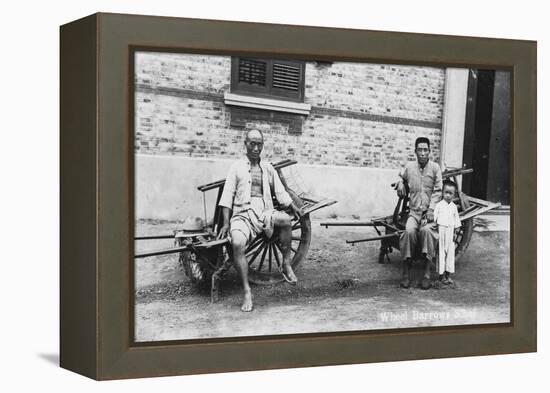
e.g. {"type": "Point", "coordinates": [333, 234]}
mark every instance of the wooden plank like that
{"type": "Point", "coordinates": [479, 201]}
{"type": "Point", "coordinates": [212, 243]}
{"type": "Point", "coordinates": [319, 205]}
{"type": "Point", "coordinates": [456, 172]}
{"type": "Point", "coordinates": [479, 211]}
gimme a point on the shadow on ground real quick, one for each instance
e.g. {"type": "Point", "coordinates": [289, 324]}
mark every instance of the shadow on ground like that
{"type": "Point", "coordinates": [52, 358]}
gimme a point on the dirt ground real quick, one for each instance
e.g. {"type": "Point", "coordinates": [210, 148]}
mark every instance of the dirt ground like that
{"type": "Point", "coordinates": [341, 287]}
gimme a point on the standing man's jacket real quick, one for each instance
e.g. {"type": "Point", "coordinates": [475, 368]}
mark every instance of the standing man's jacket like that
{"type": "Point", "coordinates": [425, 186]}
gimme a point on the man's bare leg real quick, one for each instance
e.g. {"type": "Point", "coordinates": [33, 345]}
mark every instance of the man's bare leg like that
{"type": "Point", "coordinates": [238, 242]}
{"type": "Point", "coordinates": [284, 223]}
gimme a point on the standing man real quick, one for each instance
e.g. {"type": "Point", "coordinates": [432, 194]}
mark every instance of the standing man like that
{"type": "Point", "coordinates": [247, 207]}
{"type": "Point", "coordinates": [424, 181]}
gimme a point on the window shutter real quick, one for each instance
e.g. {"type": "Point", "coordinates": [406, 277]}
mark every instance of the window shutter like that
{"type": "Point", "coordinates": [270, 78]}
{"type": "Point", "coordinates": [252, 72]}
{"type": "Point", "coordinates": [286, 77]}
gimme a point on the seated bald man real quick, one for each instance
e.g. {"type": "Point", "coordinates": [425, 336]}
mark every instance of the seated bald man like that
{"type": "Point", "coordinates": [247, 207]}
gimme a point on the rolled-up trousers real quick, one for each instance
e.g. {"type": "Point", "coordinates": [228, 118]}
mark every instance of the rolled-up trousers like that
{"type": "Point", "coordinates": [416, 240]}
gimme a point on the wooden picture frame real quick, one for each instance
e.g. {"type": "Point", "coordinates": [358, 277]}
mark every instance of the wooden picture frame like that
{"type": "Point", "coordinates": [97, 204]}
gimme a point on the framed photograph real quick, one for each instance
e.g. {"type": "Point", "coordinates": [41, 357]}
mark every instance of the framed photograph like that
{"type": "Point", "coordinates": [241, 196]}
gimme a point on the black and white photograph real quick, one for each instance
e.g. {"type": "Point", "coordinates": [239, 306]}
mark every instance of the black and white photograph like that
{"type": "Point", "coordinates": [275, 197]}
{"type": "Point", "coordinates": [279, 196]}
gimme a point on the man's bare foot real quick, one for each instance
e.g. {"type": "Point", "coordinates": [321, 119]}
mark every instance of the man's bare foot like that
{"type": "Point", "coordinates": [247, 302]}
{"type": "Point", "coordinates": [289, 275]}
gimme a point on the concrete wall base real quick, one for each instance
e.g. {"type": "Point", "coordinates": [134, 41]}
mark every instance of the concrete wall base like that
{"type": "Point", "coordinates": [166, 187]}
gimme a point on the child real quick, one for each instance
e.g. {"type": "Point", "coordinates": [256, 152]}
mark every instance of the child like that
{"type": "Point", "coordinates": [448, 221]}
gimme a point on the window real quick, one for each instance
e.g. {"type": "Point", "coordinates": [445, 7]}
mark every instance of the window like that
{"type": "Point", "coordinates": [276, 79]}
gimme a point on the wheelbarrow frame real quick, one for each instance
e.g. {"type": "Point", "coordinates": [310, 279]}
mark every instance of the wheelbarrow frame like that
{"type": "Point", "coordinates": [216, 255]}
{"type": "Point", "coordinates": [389, 228]}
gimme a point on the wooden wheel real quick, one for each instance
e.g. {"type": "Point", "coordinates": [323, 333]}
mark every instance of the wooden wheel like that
{"type": "Point", "coordinates": [197, 265]}
{"type": "Point", "coordinates": [462, 239]}
{"type": "Point", "coordinates": [264, 255]}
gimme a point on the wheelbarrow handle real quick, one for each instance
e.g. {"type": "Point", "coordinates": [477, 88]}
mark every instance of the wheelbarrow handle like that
{"type": "Point", "coordinates": [175, 250]}
{"type": "Point", "coordinates": [372, 239]}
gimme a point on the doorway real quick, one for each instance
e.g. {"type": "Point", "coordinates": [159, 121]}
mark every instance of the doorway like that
{"type": "Point", "coordinates": [487, 135]}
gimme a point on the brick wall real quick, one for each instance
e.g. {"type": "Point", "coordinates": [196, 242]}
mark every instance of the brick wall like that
{"type": "Point", "coordinates": [362, 114]}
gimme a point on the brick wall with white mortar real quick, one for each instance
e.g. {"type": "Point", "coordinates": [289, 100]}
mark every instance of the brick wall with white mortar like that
{"type": "Point", "coordinates": [362, 114]}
